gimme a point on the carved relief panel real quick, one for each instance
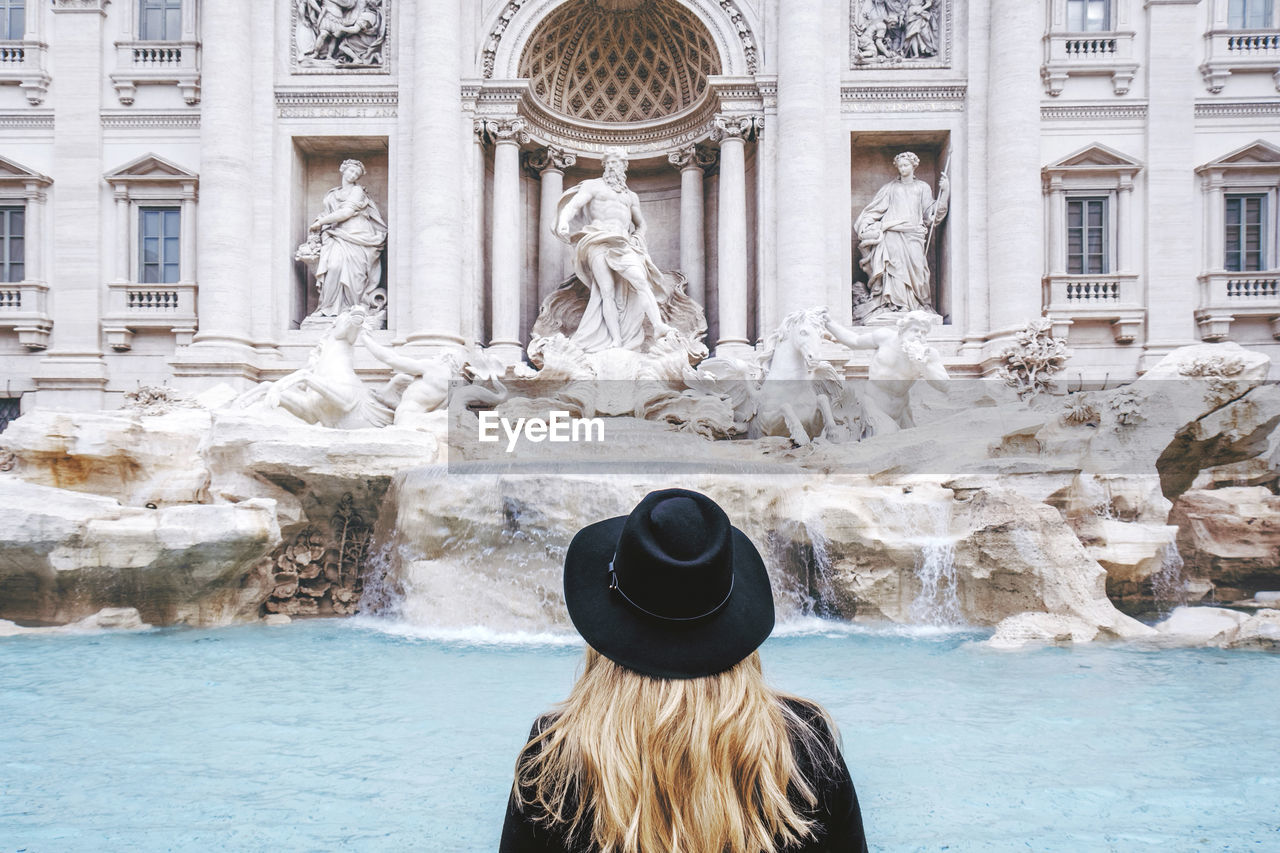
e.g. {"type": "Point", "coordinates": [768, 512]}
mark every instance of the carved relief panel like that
{"type": "Point", "coordinates": [341, 35]}
{"type": "Point", "coordinates": [899, 34]}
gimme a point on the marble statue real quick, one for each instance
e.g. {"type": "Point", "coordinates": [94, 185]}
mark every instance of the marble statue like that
{"type": "Point", "coordinates": [891, 31]}
{"type": "Point", "coordinates": [611, 258]}
{"type": "Point", "coordinates": [902, 357]}
{"type": "Point", "coordinates": [327, 391]}
{"type": "Point", "coordinates": [345, 243]}
{"type": "Point", "coordinates": [788, 391]}
{"type": "Point", "coordinates": [342, 33]}
{"type": "Point", "coordinates": [422, 385]}
{"type": "Point", "coordinates": [895, 231]}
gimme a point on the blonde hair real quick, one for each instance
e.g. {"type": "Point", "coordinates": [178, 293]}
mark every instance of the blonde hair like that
{"type": "Point", "coordinates": [636, 763]}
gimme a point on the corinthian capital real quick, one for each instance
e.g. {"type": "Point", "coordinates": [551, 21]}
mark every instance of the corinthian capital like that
{"type": "Point", "coordinates": [541, 159]}
{"type": "Point", "coordinates": [499, 130]}
{"type": "Point", "coordinates": [746, 127]}
{"type": "Point", "coordinates": [694, 156]}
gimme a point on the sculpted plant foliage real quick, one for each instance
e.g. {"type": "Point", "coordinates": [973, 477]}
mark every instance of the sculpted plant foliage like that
{"type": "Point", "coordinates": [1031, 363]}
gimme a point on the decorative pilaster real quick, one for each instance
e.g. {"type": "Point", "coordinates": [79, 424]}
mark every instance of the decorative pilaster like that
{"type": "Point", "coordinates": [732, 133]}
{"type": "Point", "coordinates": [1057, 228]}
{"type": "Point", "coordinates": [1171, 196]}
{"type": "Point", "coordinates": [123, 243]}
{"type": "Point", "coordinates": [438, 166]}
{"type": "Point", "coordinates": [1124, 217]}
{"type": "Point", "coordinates": [692, 163]}
{"type": "Point", "coordinates": [226, 175]}
{"type": "Point", "coordinates": [1015, 198]}
{"type": "Point", "coordinates": [73, 375]}
{"type": "Point", "coordinates": [506, 135]}
{"type": "Point", "coordinates": [548, 165]}
{"type": "Point", "coordinates": [801, 144]}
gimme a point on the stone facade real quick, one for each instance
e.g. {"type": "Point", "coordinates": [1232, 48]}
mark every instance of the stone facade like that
{"type": "Point", "coordinates": [158, 177]}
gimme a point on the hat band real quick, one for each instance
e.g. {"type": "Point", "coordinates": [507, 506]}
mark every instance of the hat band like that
{"type": "Point", "coordinates": [613, 585]}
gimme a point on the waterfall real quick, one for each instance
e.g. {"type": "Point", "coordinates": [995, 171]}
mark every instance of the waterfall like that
{"type": "Point", "coordinates": [1169, 582]}
{"type": "Point", "coordinates": [937, 602]}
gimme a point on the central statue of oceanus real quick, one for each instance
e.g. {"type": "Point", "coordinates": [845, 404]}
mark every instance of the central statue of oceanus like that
{"type": "Point", "coordinates": [619, 312]}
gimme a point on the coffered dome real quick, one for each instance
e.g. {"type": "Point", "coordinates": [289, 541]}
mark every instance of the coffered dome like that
{"type": "Point", "coordinates": [619, 60]}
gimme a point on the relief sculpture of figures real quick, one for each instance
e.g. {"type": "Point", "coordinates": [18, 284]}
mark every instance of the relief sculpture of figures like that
{"type": "Point", "coordinates": [610, 256]}
{"type": "Point", "coordinates": [345, 243]}
{"type": "Point", "coordinates": [341, 33]}
{"type": "Point", "coordinates": [894, 232]}
{"type": "Point", "coordinates": [889, 31]}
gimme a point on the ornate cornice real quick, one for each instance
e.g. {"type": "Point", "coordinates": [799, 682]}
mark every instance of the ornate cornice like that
{"type": "Point", "coordinates": [1238, 109]}
{"type": "Point", "coordinates": [898, 99]}
{"type": "Point", "coordinates": [151, 121]}
{"type": "Point", "coordinates": [25, 120]}
{"type": "Point", "coordinates": [1094, 112]}
{"type": "Point", "coordinates": [346, 103]}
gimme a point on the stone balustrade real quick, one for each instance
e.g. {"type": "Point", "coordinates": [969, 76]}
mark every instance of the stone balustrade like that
{"type": "Point", "coordinates": [1108, 53]}
{"type": "Point", "coordinates": [132, 306]}
{"type": "Point", "coordinates": [157, 62]}
{"type": "Point", "coordinates": [1229, 296]}
{"type": "Point", "coordinates": [1240, 50]}
{"type": "Point", "coordinates": [1115, 297]}
{"type": "Point", "coordinates": [23, 62]}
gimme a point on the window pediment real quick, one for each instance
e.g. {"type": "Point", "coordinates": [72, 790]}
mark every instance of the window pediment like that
{"type": "Point", "coordinates": [12, 172]}
{"type": "Point", "coordinates": [1258, 155]}
{"type": "Point", "coordinates": [150, 168]}
{"type": "Point", "coordinates": [1094, 159]}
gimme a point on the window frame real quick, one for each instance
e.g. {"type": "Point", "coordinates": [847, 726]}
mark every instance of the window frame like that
{"type": "Point", "coordinates": [1268, 14]}
{"type": "Point", "coordinates": [1108, 16]}
{"type": "Point", "coordinates": [7, 8]}
{"type": "Point", "coordinates": [7, 209]}
{"type": "Point", "coordinates": [1107, 201]}
{"type": "Point", "coordinates": [165, 7]}
{"type": "Point", "coordinates": [163, 264]}
{"type": "Point", "coordinates": [1264, 254]}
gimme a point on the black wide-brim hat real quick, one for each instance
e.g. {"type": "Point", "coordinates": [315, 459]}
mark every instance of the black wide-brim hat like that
{"type": "Point", "coordinates": [672, 590]}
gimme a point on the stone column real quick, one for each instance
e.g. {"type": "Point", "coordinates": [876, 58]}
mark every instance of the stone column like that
{"type": "Point", "coordinates": [1124, 224]}
{"type": "Point", "coordinates": [73, 375]}
{"type": "Point", "coordinates": [437, 162]}
{"type": "Point", "coordinates": [691, 162]}
{"type": "Point", "coordinates": [1173, 196]}
{"type": "Point", "coordinates": [1014, 199]}
{"type": "Point", "coordinates": [34, 224]}
{"type": "Point", "coordinates": [508, 237]}
{"type": "Point", "coordinates": [803, 181]}
{"type": "Point", "coordinates": [227, 275]}
{"type": "Point", "coordinates": [732, 132]}
{"type": "Point", "coordinates": [1214, 246]}
{"type": "Point", "coordinates": [1057, 231]}
{"type": "Point", "coordinates": [124, 226]}
{"type": "Point", "coordinates": [188, 234]}
{"type": "Point", "coordinates": [548, 165]}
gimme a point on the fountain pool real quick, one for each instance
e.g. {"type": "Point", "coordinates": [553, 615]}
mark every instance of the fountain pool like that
{"type": "Point", "coordinates": [364, 734]}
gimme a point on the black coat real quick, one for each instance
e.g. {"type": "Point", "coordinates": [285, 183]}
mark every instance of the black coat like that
{"type": "Point", "coordinates": [837, 816]}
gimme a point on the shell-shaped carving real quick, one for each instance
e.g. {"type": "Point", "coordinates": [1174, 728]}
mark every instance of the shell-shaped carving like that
{"type": "Point", "coordinates": [610, 61]}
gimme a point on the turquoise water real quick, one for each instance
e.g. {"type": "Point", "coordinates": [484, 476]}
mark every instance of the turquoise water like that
{"type": "Point", "coordinates": [356, 735]}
